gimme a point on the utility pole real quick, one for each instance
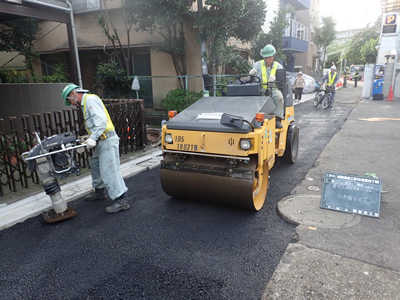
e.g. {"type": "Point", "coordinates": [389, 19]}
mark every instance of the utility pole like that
{"type": "Point", "coordinates": [396, 58]}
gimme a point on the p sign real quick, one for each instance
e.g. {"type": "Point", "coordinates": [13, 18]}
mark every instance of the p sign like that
{"type": "Point", "coordinates": [391, 19]}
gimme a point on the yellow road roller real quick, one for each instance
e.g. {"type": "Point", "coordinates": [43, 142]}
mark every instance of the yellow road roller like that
{"type": "Point", "coordinates": [220, 149]}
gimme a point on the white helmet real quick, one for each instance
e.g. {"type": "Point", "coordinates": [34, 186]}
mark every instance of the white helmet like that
{"type": "Point", "coordinates": [333, 68]}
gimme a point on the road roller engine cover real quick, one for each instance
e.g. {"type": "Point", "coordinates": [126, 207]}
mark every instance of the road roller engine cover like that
{"type": "Point", "coordinates": [53, 158]}
{"type": "Point", "coordinates": [220, 149]}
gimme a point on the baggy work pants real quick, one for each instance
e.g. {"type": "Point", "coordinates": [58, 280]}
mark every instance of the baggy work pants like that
{"type": "Point", "coordinates": [279, 102]}
{"type": "Point", "coordinates": [105, 169]}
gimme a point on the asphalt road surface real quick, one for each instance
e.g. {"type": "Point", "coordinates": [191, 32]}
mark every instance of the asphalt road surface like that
{"type": "Point", "coordinates": [162, 248]}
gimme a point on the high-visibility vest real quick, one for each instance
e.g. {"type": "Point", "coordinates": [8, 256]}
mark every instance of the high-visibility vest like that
{"type": "Point", "coordinates": [110, 125]}
{"type": "Point", "coordinates": [264, 71]}
{"type": "Point", "coordinates": [331, 78]}
{"type": "Point", "coordinates": [356, 74]}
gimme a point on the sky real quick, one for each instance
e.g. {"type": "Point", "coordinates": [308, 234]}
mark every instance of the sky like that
{"type": "Point", "coordinates": [351, 14]}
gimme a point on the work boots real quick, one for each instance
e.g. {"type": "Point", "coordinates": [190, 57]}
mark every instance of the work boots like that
{"type": "Point", "coordinates": [97, 194]}
{"type": "Point", "coordinates": [120, 204]}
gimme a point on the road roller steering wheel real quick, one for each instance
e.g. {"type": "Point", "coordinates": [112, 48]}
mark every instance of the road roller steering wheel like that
{"type": "Point", "coordinates": [258, 80]}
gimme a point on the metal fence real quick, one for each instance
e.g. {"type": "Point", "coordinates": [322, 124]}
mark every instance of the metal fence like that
{"type": "Point", "coordinates": [153, 89]}
{"type": "Point", "coordinates": [127, 115]}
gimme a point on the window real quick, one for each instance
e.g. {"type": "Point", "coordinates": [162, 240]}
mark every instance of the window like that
{"type": "Point", "coordinates": [51, 62]}
{"type": "Point", "coordinates": [82, 6]}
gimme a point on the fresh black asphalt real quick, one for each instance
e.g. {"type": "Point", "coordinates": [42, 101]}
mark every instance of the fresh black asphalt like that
{"type": "Point", "coordinates": [162, 248]}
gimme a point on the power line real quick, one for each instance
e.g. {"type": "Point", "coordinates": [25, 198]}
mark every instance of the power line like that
{"type": "Point", "coordinates": [33, 43]}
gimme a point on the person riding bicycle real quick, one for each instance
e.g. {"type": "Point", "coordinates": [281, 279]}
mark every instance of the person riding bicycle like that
{"type": "Point", "coordinates": [331, 78]}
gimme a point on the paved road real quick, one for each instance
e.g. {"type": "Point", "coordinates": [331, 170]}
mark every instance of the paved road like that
{"type": "Point", "coordinates": [162, 248]}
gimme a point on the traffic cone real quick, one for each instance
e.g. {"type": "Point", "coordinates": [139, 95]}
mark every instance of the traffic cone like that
{"type": "Point", "coordinates": [390, 96]}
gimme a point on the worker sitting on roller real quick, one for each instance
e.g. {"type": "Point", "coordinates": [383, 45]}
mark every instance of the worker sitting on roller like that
{"type": "Point", "coordinates": [266, 70]}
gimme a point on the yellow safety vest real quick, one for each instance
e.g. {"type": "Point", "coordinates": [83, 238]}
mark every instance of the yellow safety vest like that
{"type": "Point", "coordinates": [264, 74]}
{"type": "Point", "coordinates": [331, 78]}
{"type": "Point", "coordinates": [110, 125]}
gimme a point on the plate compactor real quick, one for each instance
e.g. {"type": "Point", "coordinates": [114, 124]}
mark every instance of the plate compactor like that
{"type": "Point", "coordinates": [53, 158]}
{"type": "Point", "coordinates": [220, 149]}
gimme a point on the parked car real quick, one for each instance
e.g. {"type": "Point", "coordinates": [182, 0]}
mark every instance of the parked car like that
{"type": "Point", "coordinates": [310, 82]}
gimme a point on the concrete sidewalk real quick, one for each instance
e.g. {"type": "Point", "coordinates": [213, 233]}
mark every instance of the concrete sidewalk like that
{"type": "Point", "coordinates": [342, 255]}
{"type": "Point", "coordinates": [33, 205]}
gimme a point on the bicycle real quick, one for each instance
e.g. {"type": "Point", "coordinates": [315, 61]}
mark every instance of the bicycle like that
{"type": "Point", "coordinates": [324, 97]}
{"type": "Point", "coordinates": [319, 96]}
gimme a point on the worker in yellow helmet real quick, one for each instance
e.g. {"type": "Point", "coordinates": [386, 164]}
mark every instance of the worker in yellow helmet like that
{"type": "Point", "coordinates": [105, 163]}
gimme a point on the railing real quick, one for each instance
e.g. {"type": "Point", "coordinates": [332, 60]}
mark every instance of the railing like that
{"type": "Point", "coordinates": [127, 115]}
{"type": "Point", "coordinates": [82, 6]}
{"type": "Point", "coordinates": [297, 30]}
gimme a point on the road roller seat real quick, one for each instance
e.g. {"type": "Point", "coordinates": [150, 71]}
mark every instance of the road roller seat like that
{"type": "Point", "coordinates": [285, 86]}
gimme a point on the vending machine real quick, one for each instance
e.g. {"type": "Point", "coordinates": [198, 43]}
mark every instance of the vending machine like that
{"type": "Point", "coordinates": [378, 82]}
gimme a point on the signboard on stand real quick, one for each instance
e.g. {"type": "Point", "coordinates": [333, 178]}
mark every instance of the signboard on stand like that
{"type": "Point", "coordinates": [352, 194]}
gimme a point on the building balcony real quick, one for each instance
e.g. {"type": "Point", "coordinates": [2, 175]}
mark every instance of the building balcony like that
{"type": "Point", "coordinates": [295, 38]}
{"type": "Point", "coordinates": [299, 4]}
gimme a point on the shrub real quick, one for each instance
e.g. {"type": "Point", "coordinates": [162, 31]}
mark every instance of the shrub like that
{"type": "Point", "coordinates": [13, 145]}
{"type": "Point", "coordinates": [113, 79]}
{"type": "Point", "coordinates": [180, 99]}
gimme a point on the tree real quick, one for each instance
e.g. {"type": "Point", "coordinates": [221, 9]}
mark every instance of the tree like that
{"type": "Point", "coordinates": [273, 37]}
{"type": "Point", "coordinates": [166, 18]}
{"type": "Point", "coordinates": [18, 36]}
{"type": "Point", "coordinates": [354, 53]}
{"type": "Point", "coordinates": [369, 52]}
{"type": "Point", "coordinates": [221, 21]}
{"type": "Point", "coordinates": [105, 21]}
{"type": "Point", "coordinates": [325, 35]}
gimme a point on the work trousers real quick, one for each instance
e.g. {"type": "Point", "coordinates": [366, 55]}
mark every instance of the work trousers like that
{"type": "Point", "coordinates": [333, 95]}
{"type": "Point", "coordinates": [279, 102]}
{"type": "Point", "coordinates": [355, 81]}
{"type": "Point", "coordinates": [105, 170]}
{"type": "Point", "coordinates": [345, 81]}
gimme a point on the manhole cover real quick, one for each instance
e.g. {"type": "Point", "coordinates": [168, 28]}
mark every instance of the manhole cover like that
{"type": "Point", "coordinates": [153, 136]}
{"type": "Point", "coordinates": [313, 188]}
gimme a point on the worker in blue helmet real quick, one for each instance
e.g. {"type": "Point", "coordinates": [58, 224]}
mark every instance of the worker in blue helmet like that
{"type": "Point", "coordinates": [266, 70]}
{"type": "Point", "coordinates": [105, 163]}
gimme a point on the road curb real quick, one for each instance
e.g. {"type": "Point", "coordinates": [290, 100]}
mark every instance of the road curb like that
{"type": "Point", "coordinates": [34, 205]}
{"type": "Point", "coordinates": [304, 210]}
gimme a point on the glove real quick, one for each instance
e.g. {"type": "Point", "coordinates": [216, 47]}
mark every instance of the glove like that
{"type": "Point", "coordinates": [271, 78]}
{"type": "Point", "coordinates": [91, 143]}
{"type": "Point", "coordinates": [80, 150]}
{"type": "Point", "coordinates": [253, 72]}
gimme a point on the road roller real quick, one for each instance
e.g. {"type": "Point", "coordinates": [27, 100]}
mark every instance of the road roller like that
{"type": "Point", "coordinates": [220, 149]}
